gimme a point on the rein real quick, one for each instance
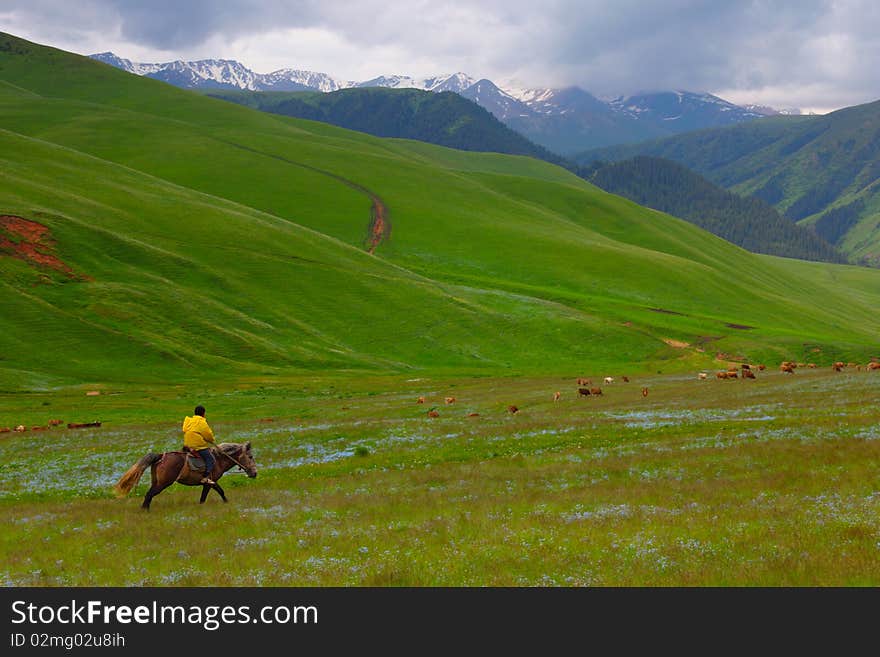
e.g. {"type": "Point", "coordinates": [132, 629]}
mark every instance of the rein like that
{"type": "Point", "coordinates": [233, 459]}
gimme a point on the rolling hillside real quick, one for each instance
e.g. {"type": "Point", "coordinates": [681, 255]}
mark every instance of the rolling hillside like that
{"type": "Point", "coordinates": [192, 239]}
{"type": "Point", "coordinates": [818, 170]}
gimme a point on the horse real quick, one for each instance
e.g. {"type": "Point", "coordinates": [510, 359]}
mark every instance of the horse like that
{"type": "Point", "coordinates": [168, 467]}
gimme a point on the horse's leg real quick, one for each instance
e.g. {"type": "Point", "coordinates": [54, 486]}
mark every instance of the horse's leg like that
{"type": "Point", "coordinates": [216, 487]}
{"type": "Point", "coordinates": [205, 490]}
{"type": "Point", "coordinates": [161, 479]}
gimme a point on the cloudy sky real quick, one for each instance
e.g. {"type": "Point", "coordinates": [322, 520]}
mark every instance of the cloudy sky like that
{"type": "Point", "coordinates": [817, 55]}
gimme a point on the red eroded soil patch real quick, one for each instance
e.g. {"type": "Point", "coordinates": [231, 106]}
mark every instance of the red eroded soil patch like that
{"type": "Point", "coordinates": [380, 227]}
{"type": "Point", "coordinates": [32, 242]}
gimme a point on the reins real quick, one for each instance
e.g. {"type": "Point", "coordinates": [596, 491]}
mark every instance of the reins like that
{"type": "Point", "coordinates": [234, 460]}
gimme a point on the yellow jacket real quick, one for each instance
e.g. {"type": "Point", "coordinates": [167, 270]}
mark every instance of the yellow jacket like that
{"type": "Point", "coordinates": [196, 432]}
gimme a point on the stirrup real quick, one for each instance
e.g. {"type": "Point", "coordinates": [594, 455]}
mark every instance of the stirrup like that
{"type": "Point", "coordinates": [207, 481]}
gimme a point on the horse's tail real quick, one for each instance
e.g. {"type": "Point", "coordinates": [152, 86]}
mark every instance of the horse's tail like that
{"type": "Point", "coordinates": [133, 475]}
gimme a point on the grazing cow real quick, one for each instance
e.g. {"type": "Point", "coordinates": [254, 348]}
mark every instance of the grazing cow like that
{"type": "Point", "coordinates": [787, 367]}
{"type": "Point", "coordinates": [812, 366]}
{"type": "Point", "coordinates": [595, 391]}
{"type": "Point", "coordinates": [420, 400]}
{"type": "Point", "coordinates": [745, 366]}
{"type": "Point", "coordinates": [702, 376]}
{"type": "Point", "coordinates": [748, 374]}
{"type": "Point", "coordinates": [433, 413]}
{"type": "Point", "coordinates": [874, 365]}
{"type": "Point", "coordinates": [732, 374]}
{"type": "Point", "coordinates": [55, 423]}
{"type": "Point", "coordinates": [644, 392]}
{"type": "Point", "coordinates": [583, 392]}
{"type": "Point", "coordinates": [721, 375]}
{"type": "Point", "coordinates": [838, 365]}
{"type": "Point", "coordinates": [584, 382]}
{"type": "Point", "coordinates": [762, 367]}
{"type": "Point", "coordinates": [556, 396]}
{"type": "Point", "coordinates": [20, 428]}
{"type": "Point", "coordinates": [39, 428]}
{"type": "Point", "coordinates": [450, 400]}
{"type": "Point", "coordinates": [513, 409]}
{"type": "Point", "coordinates": [608, 379]}
{"type": "Point", "coordinates": [625, 379]}
{"type": "Point", "coordinates": [82, 425]}
{"type": "Point", "coordinates": [5, 429]}
{"type": "Point", "coordinates": [837, 368]}
{"type": "Point", "coordinates": [473, 415]}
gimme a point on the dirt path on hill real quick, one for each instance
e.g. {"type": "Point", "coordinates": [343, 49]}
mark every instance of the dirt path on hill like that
{"type": "Point", "coordinates": [379, 228]}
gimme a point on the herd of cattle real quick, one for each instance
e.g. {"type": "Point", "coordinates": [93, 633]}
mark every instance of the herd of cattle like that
{"type": "Point", "coordinates": [585, 387]}
{"type": "Point", "coordinates": [52, 423]}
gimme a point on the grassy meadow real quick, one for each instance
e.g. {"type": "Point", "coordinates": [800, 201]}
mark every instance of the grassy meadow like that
{"type": "Point", "coordinates": [771, 482]}
{"type": "Point", "coordinates": [208, 253]}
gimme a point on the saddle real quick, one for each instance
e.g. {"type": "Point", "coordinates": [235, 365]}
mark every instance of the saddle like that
{"type": "Point", "coordinates": [193, 460]}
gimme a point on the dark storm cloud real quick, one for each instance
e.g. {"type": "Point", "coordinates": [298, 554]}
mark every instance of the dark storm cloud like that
{"type": "Point", "coordinates": [812, 50]}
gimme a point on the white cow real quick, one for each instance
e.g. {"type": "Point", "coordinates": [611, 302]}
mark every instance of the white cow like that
{"type": "Point", "coordinates": [608, 379]}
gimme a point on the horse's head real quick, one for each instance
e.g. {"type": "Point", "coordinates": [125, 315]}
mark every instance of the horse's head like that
{"type": "Point", "coordinates": [247, 460]}
{"type": "Point", "coordinates": [242, 456]}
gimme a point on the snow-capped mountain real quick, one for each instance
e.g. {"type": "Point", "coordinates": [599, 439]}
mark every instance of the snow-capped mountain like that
{"type": "Point", "coordinates": [764, 110]}
{"type": "Point", "coordinates": [565, 120]}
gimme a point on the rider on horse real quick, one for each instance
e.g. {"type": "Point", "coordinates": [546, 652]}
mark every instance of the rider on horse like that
{"type": "Point", "coordinates": [197, 435]}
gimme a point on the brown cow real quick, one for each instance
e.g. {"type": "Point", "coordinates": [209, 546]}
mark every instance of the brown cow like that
{"type": "Point", "coordinates": [838, 365]}
{"type": "Point", "coordinates": [625, 379]}
{"type": "Point", "coordinates": [748, 374]}
{"type": "Point", "coordinates": [721, 375]}
{"type": "Point", "coordinates": [762, 367]}
{"type": "Point", "coordinates": [39, 428]}
{"type": "Point", "coordinates": [732, 374]}
{"type": "Point", "coordinates": [584, 382]}
{"type": "Point", "coordinates": [420, 400]}
{"type": "Point", "coordinates": [473, 415]}
{"type": "Point", "coordinates": [513, 409]}
{"type": "Point", "coordinates": [595, 391]}
{"type": "Point", "coordinates": [5, 429]}
{"type": "Point", "coordinates": [874, 365]}
{"type": "Point", "coordinates": [644, 392]}
{"type": "Point", "coordinates": [556, 396]}
{"type": "Point", "coordinates": [787, 367]}
{"type": "Point", "coordinates": [745, 366]}
{"type": "Point", "coordinates": [450, 400]}
{"type": "Point", "coordinates": [433, 413]}
{"type": "Point", "coordinates": [55, 423]}
{"type": "Point", "coordinates": [583, 392]}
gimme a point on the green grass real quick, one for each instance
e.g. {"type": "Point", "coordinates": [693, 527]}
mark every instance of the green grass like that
{"type": "Point", "coordinates": [755, 483]}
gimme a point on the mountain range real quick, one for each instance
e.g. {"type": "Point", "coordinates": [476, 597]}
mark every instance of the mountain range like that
{"type": "Point", "coordinates": [152, 234]}
{"type": "Point", "coordinates": [820, 171]}
{"type": "Point", "coordinates": [565, 121]}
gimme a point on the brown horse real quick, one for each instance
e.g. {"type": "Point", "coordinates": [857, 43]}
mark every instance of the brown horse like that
{"type": "Point", "coordinates": [169, 467]}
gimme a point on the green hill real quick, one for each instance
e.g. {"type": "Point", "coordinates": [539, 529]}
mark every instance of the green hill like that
{"type": "Point", "coordinates": [817, 170]}
{"type": "Point", "coordinates": [195, 239]}
{"type": "Point", "coordinates": [746, 221]}
{"type": "Point", "coordinates": [445, 119]}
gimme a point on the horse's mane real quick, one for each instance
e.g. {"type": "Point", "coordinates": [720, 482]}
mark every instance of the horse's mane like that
{"type": "Point", "coordinates": [230, 448]}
